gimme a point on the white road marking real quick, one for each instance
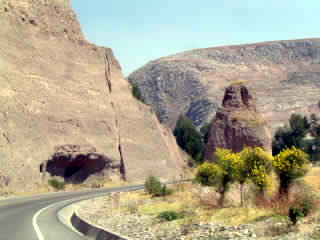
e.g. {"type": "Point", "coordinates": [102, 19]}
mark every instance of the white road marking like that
{"type": "Point", "coordinates": [34, 219]}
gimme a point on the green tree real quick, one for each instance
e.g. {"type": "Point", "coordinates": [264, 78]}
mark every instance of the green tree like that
{"type": "Point", "coordinates": [189, 138]}
{"type": "Point", "coordinates": [307, 125]}
{"type": "Point", "coordinates": [281, 140]}
{"type": "Point", "coordinates": [286, 137]}
{"type": "Point", "coordinates": [205, 130]}
{"type": "Point", "coordinates": [298, 125]}
{"type": "Point", "coordinates": [290, 164]}
{"type": "Point", "coordinates": [136, 92]}
{"type": "Point", "coordinates": [219, 174]}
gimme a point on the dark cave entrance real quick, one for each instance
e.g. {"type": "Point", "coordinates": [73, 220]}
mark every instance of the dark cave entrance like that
{"type": "Point", "coordinates": [75, 168]}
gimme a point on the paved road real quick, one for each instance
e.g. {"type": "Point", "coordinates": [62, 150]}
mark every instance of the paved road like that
{"type": "Point", "coordinates": [17, 221]}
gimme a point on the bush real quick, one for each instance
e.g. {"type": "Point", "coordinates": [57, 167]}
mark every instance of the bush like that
{"type": "Point", "coordinates": [290, 164]}
{"type": "Point", "coordinates": [56, 184]}
{"type": "Point", "coordinates": [257, 166]}
{"type": "Point", "coordinates": [168, 215]}
{"type": "Point", "coordinates": [189, 138]}
{"type": "Point", "coordinates": [308, 199]}
{"type": "Point", "coordinates": [219, 174]}
{"type": "Point", "coordinates": [136, 92]}
{"type": "Point", "coordinates": [295, 214]}
{"type": "Point", "coordinates": [161, 191]}
{"type": "Point", "coordinates": [153, 186]}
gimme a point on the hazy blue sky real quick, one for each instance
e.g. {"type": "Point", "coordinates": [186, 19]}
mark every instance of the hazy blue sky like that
{"type": "Point", "coordinates": [142, 30]}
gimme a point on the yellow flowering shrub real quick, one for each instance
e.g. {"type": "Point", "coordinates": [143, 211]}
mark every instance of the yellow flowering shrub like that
{"type": "Point", "coordinates": [225, 160]}
{"type": "Point", "coordinates": [256, 165]}
{"type": "Point", "coordinates": [207, 173]}
{"type": "Point", "coordinates": [289, 164]}
{"type": "Point", "coordinates": [220, 173]}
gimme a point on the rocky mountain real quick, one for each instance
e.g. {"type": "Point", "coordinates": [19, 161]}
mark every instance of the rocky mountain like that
{"type": "Point", "coordinates": [238, 123]}
{"type": "Point", "coordinates": [66, 109]}
{"type": "Point", "coordinates": [284, 74]}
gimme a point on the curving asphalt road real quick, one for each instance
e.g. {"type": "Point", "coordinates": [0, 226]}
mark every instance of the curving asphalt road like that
{"type": "Point", "coordinates": [35, 217]}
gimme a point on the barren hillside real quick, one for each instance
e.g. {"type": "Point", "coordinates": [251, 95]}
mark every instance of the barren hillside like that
{"type": "Point", "coordinates": [66, 109]}
{"type": "Point", "coordinates": [284, 74]}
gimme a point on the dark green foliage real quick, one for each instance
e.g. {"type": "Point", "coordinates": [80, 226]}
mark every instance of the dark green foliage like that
{"type": "Point", "coordinates": [136, 92]}
{"type": "Point", "coordinates": [281, 140]}
{"type": "Point", "coordinates": [308, 199]}
{"type": "Point", "coordinates": [161, 191]}
{"type": "Point", "coordinates": [205, 130]}
{"type": "Point", "coordinates": [312, 147]}
{"type": "Point", "coordinates": [295, 214]}
{"type": "Point", "coordinates": [298, 125]}
{"type": "Point", "coordinates": [306, 123]}
{"type": "Point", "coordinates": [168, 215]}
{"type": "Point", "coordinates": [286, 137]}
{"type": "Point", "coordinates": [189, 139]}
{"type": "Point", "coordinates": [307, 207]}
{"type": "Point", "coordinates": [153, 186]}
{"type": "Point", "coordinates": [56, 184]}
{"type": "Point", "coordinates": [307, 203]}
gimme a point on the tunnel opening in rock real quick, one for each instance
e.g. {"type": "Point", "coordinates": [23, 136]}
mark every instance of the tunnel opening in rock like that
{"type": "Point", "coordinates": [76, 168]}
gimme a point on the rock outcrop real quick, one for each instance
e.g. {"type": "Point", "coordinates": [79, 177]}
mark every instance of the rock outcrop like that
{"type": "Point", "coordinates": [238, 123]}
{"type": "Point", "coordinates": [65, 106]}
{"type": "Point", "coordinates": [281, 73]}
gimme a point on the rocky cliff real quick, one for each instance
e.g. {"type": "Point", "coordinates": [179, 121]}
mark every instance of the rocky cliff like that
{"type": "Point", "coordinates": [238, 124]}
{"type": "Point", "coordinates": [66, 109]}
{"type": "Point", "coordinates": [285, 75]}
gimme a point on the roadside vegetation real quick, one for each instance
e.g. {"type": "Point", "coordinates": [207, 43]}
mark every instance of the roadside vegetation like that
{"type": "Point", "coordinates": [154, 187]}
{"type": "Point", "coordinates": [190, 139]}
{"type": "Point", "coordinates": [277, 194]}
{"type": "Point", "coordinates": [270, 213]}
{"type": "Point", "coordinates": [300, 133]}
{"type": "Point", "coordinates": [136, 92]}
{"type": "Point", "coordinates": [57, 185]}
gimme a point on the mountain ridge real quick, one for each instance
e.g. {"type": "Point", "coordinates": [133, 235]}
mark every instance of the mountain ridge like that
{"type": "Point", "coordinates": [267, 66]}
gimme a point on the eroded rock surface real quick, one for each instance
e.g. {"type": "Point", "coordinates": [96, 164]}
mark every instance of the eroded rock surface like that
{"type": "Point", "coordinates": [238, 123]}
{"type": "Point", "coordinates": [56, 89]}
{"type": "Point", "coordinates": [285, 75]}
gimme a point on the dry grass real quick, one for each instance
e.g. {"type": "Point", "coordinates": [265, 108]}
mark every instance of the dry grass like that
{"type": "Point", "coordinates": [42, 188]}
{"type": "Point", "coordinates": [238, 82]}
{"type": "Point", "coordinates": [204, 202]}
{"type": "Point", "coordinates": [253, 120]}
{"type": "Point", "coordinates": [313, 179]}
{"type": "Point", "coordinates": [236, 216]}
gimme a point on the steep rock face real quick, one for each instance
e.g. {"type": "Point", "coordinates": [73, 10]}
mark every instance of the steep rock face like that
{"type": "Point", "coordinates": [60, 94]}
{"type": "Point", "coordinates": [237, 123]}
{"type": "Point", "coordinates": [281, 73]}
